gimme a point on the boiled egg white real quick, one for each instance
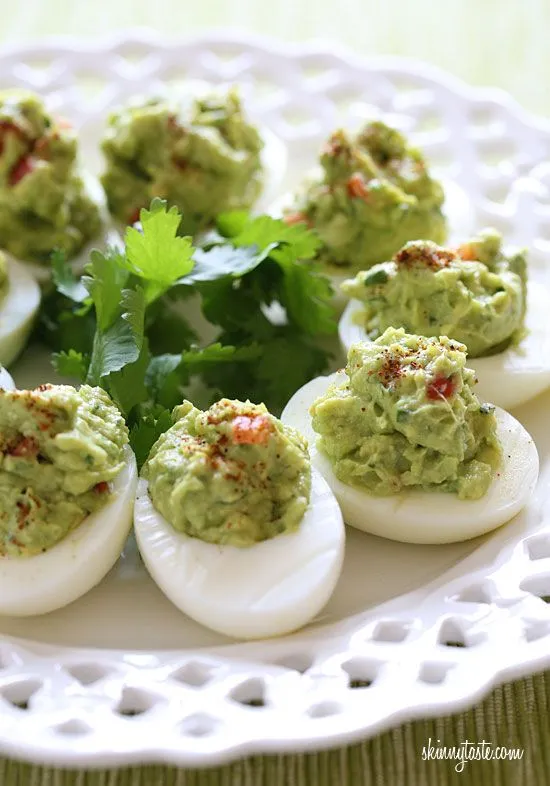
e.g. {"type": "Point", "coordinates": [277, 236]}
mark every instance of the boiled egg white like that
{"type": "Point", "coordinates": [507, 379]}
{"type": "Point", "coordinates": [48, 581]}
{"type": "Point", "coordinates": [418, 516]}
{"type": "Point", "coordinates": [6, 381]}
{"type": "Point", "coordinates": [17, 311]}
{"type": "Point", "coordinates": [108, 235]}
{"type": "Point", "coordinates": [274, 158]}
{"type": "Point", "coordinates": [267, 589]}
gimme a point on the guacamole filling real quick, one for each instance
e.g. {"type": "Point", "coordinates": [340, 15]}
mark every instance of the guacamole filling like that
{"type": "Point", "coordinates": [60, 448]}
{"type": "Point", "coordinates": [232, 475]}
{"type": "Point", "coordinates": [476, 294]}
{"type": "Point", "coordinates": [407, 417]}
{"type": "Point", "coordinates": [203, 157]}
{"type": "Point", "coordinates": [43, 201]}
{"type": "Point", "coordinates": [374, 194]}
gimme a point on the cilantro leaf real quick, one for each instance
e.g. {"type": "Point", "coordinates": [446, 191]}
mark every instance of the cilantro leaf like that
{"type": "Point", "coordinates": [286, 362]}
{"type": "Point", "coordinates": [127, 386]}
{"type": "Point", "coordinates": [63, 325]}
{"type": "Point", "coordinates": [306, 295]}
{"type": "Point", "coordinates": [223, 260]}
{"type": "Point", "coordinates": [121, 343]}
{"type": "Point", "coordinates": [196, 359]}
{"type": "Point", "coordinates": [167, 328]}
{"type": "Point", "coordinates": [234, 309]}
{"type": "Point", "coordinates": [70, 364]}
{"type": "Point", "coordinates": [156, 253]}
{"type": "Point", "coordinates": [232, 223]}
{"type": "Point", "coordinates": [105, 281]}
{"type": "Point", "coordinates": [168, 373]}
{"type": "Point", "coordinates": [65, 280]}
{"type": "Point", "coordinates": [255, 284]}
{"type": "Point", "coordinates": [145, 432]}
{"type": "Point", "coordinates": [111, 351]}
{"type": "Point", "coordinates": [265, 230]}
{"type": "Point", "coordinates": [160, 373]}
{"type": "Point", "coordinates": [133, 304]}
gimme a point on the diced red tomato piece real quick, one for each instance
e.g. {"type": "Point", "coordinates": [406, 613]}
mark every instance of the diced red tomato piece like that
{"type": "Point", "coordinates": [356, 187]}
{"type": "Point", "coordinates": [134, 217]}
{"type": "Point", "coordinates": [296, 218]}
{"type": "Point", "coordinates": [102, 487]}
{"type": "Point", "coordinates": [63, 122]}
{"type": "Point", "coordinates": [27, 447]}
{"type": "Point", "coordinates": [440, 387]}
{"type": "Point", "coordinates": [466, 252]}
{"type": "Point", "coordinates": [21, 169]}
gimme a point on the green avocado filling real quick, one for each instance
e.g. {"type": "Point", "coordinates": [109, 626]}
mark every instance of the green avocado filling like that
{"type": "Point", "coordinates": [203, 157]}
{"type": "Point", "coordinates": [59, 450]}
{"type": "Point", "coordinates": [407, 417]}
{"type": "Point", "coordinates": [375, 194]}
{"type": "Point", "coordinates": [233, 474]}
{"type": "Point", "coordinates": [43, 201]}
{"type": "Point", "coordinates": [476, 293]}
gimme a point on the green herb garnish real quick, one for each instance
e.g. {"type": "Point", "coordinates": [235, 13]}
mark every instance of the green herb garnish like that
{"type": "Point", "coordinates": [124, 325]}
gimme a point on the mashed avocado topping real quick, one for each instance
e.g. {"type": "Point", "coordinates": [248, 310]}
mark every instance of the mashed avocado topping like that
{"type": "Point", "coordinates": [476, 293]}
{"type": "Point", "coordinates": [43, 202]}
{"type": "Point", "coordinates": [407, 416]}
{"type": "Point", "coordinates": [375, 194]}
{"type": "Point", "coordinates": [233, 474]}
{"type": "Point", "coordinates": [203, 157]}
{"type": "Point", "coordinates": [59, 450]}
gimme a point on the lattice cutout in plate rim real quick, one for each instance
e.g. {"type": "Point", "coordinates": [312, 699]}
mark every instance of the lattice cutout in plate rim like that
{"type": "Point", "coordinates": [186, 709]}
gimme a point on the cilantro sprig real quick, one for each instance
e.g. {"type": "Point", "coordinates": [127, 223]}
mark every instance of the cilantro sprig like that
{"type": "Point", "coordinates": [131, 323]}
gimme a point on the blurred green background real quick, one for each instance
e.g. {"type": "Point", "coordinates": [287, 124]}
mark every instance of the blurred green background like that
{"type": "Point", "coordinates": [490, 42]}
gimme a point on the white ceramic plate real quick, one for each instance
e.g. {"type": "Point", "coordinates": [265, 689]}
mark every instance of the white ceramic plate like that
{"type": "Point", "coordinates": [121, 676]}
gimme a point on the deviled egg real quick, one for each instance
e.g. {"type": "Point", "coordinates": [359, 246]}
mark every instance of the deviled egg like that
{"type": "Point", "coordinates": [199, 151]}
{"type": "Point", "coordinates": [67, 489]}
{"type": "Point", "coordinates": [46, 202]}
{"type": "Point", "coordinates": [476, 294]}
{"type": "Point", "coordinates": [407, 447]}
{"type": "Point", "coordinates": [233, 524]}
{"type": "Point", "coordinates": [371, 194]}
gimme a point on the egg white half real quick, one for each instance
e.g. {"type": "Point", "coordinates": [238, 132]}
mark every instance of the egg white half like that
{"type": "Point", "coordinates": [6, 380]}
{"type": "Point", "coordinates": [274, 158]}
{"type": "Point", "coordinates": [426, 516]}
{"type": "Point", "coordinates": [507, 379]}
{"type": "Point", "coordinates": [17, 311]}
{"type": "Point", "coordinates": [48, 581]}
{"type": "Point", "coordinates": [268, 589]}
{"type": "Point", "coordinates": [108, 235]}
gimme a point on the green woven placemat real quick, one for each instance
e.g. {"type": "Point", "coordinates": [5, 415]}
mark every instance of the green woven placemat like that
{"type": "Point", "coordinates": [513, 716]}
